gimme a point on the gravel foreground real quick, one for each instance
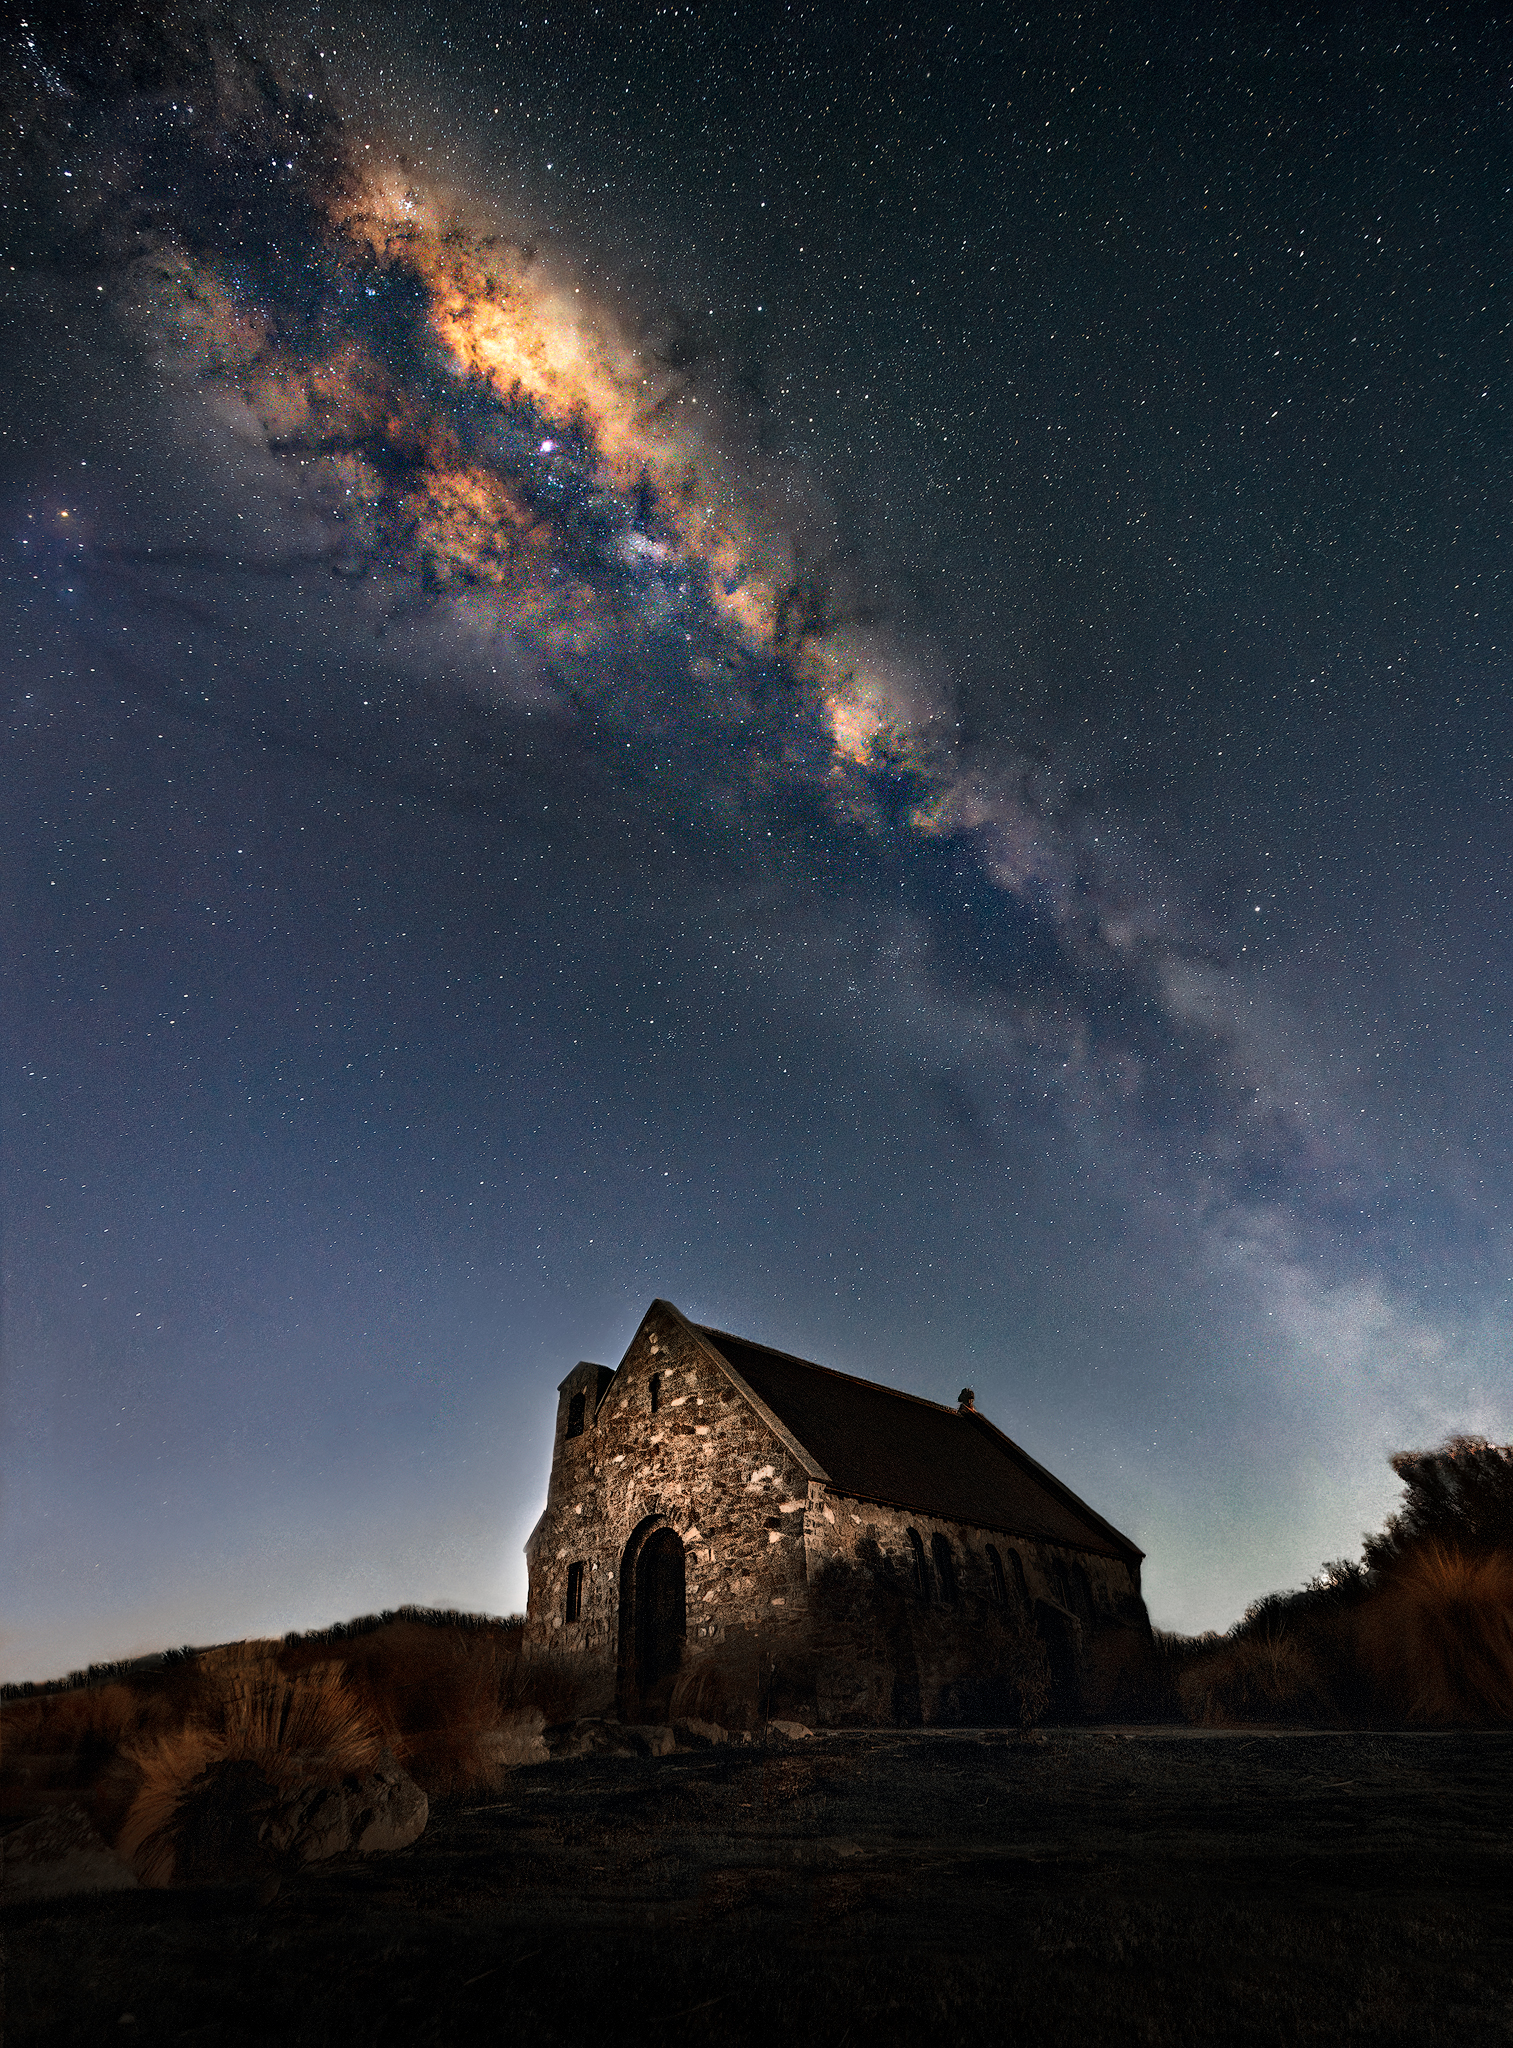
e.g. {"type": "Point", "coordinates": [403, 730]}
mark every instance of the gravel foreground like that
{"type": "Point", "coordinates": [1090, 1887]}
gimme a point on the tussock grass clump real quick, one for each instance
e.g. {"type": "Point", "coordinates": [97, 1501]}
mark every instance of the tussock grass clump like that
{"type": "Point", "coordinates": [303, 1728]}
{"type": "Point", "coordinates": [442, 1694]}
{"type": "Point", "coordinates": [1437, 1639]}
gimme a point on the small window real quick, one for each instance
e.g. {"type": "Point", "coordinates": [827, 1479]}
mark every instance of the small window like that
{"type": "Point", "coordinates": [656, 1392]}
{"type": "Point", "coordinates": [574, 1592]}
{"type": "Point", "coordinates": [996, 1578]}
{"type": "Point", "coordinates": [945, 1568]}
{"type": "Point", "coordinates": [921, 1569]}
{"type": "Point", "coordinates": [1082, 1595]}
{"type": "Point", "coordinates": [575, 1409]}
{"type": "Point", "coordinates": [1061, 1579]}
{"type": "Point", "coordinates": [1017, 1568]}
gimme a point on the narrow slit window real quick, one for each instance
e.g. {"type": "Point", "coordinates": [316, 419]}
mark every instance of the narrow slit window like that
{"type": "Point", "coordinates": [921, 1568]}
{"type": "Point", "coordinates": [1016, 1566]}
{"type": "Point", "coordinates": [656, 1392]}
{"type": "Point", "coordinates": [1082, 1595]}
{"type": "Point", "coordinates": [995, 1575]}
{"type": "Point", "coordinates": [945, 1568]}
{"type": "Point", "coordinates": [575, 1409]}
{"type": "Point", "coordinates": [575, 1592]}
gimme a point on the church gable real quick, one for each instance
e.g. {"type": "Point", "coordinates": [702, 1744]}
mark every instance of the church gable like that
{"type": "Point", "coordinates": [669, 1439]}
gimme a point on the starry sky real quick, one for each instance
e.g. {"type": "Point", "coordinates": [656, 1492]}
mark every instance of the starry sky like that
{"type": "Point", "coordinates": [847, 663]}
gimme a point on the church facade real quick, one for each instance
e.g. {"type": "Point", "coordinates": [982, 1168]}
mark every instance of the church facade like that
{"type": "Point", "coordinates": [736, 1533]}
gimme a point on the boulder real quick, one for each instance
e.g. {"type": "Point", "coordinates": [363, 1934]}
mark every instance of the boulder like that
{"type": "Point", "coordinates": [61, 1853]}
{"type": "Point", "coordinates": [519, 1739]}
{"type": "Point", "coordinates": [651, 1741]}
{"type": "Point", "coordinates": [232, 1825]}
{"type": "Point", "coordinates": [381, 1810]}
{"type": "Point", "coordinates": [791, 1731]}
{"type": "Point", "coordinates": [589, 1737]}
{"type": "Point", "coordinates": [692, 1734]}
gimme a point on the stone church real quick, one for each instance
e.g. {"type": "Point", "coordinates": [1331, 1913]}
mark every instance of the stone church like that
{"type": "Point", "coordinates": [735, 1534]}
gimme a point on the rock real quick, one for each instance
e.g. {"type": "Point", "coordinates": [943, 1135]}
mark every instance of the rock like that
{"type": "Point", "coordinates": [61, 1853]}
{"type": "Point", "coordinates": [650, 1741]}
{"type": "Point", "coordinates": [232, 1825]}
{"type": "Point", "coordinates": [395, 1812]}
{"type": "Point", "coordinates": [589, 1737]}
{"type": "Point", "coordinates": [791, 1731]}
{"type": "Point", "coordinates": [699, 1734]}
{"type": "Point", "coordinates": [381, 1810]}
{"type": "Point", "coordinates": [314, 1824]}
{"type": "Point", "coordinates": [519, 1739]}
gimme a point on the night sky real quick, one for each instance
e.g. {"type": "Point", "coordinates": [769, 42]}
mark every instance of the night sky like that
{"type": "Point", "coordinates": [850, 664]}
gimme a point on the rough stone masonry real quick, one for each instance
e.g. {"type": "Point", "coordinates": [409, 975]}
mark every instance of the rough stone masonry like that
{"type": "Point", "coordinates": [734, 1532]}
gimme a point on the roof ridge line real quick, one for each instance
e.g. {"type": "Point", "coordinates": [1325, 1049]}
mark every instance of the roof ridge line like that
{"type": "Point", "coordinates": [833, 1372]}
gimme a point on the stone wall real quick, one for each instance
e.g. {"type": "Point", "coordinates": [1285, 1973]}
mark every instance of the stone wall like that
{"type": "Point", "coordinates": [737, 1494]}
{"type": "Point", "coordinates": [894, 1643]}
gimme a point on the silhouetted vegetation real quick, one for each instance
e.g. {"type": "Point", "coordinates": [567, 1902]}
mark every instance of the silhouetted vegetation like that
{"type": "Point", "coordinates": [454, 1698]}
{"type": "Point", "coordinates": [1460, 1498]}
{"type": "Point", "coordinates": [1419, 1633]}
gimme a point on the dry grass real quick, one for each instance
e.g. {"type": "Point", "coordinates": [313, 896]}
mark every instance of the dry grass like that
{"type": "Point", "coordinates": [300, 1728]}
{"type": "Point", "coordinates": [304, 1728]}
{"type": "Point", "coordinates": [443, 1695]}
{"type": "Point", "coordinates": [1437, 1640]}
{"type": "Point", "coordinates": [447, 1694]}
{"type": "Point", "coordinates": [164, 1767]}
{"type": "Point", "coordinates": [55, 1731]}
{"type": "Point", "coordinates": [1271, 1678]}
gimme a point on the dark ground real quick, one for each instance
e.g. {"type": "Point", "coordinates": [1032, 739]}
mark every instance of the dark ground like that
{"type": "Point", "coordinates": [1158, 1887]}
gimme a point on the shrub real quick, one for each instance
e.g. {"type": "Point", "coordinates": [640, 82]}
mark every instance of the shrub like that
{"type": "Point", "coordinates": [1438, 1637]}
{"type": "Point", "coordinates": [1460, 1497]}
{"type": "Point", "coordinates": [1263, 1677]}
{"type": "Point", "coordinates": [296, 1729]}
{"type": "Point", "coordinates": [1421, 1631]}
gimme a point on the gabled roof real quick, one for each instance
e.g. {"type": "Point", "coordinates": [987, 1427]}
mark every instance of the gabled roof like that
{"type": "Point", "coordinates": [875, 1443]}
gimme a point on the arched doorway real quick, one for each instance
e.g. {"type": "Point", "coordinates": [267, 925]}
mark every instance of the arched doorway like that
{"type": "Point", "coordinates": [653, 1620]}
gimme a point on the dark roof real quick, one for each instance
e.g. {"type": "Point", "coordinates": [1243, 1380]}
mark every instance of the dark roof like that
{"type": "Point", "coordinates": [882, 1445]}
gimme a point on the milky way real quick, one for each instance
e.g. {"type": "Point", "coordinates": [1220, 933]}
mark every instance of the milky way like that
{"type": "Point", "coordinates": [473, 435]}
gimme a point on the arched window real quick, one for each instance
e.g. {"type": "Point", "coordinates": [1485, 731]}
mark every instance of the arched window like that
{"type": "Point", "coordinates": [945, 1568]}
{"type": "Point", "coordinates": [575, 1409]}
{"type": "Point", "coordinates": [656, 1392]}
{"type": "Point", "coordinates": [575, 1592]}
{"type": "Point", "coordinates": [1016, 1566]}
{"type": "Point", "coordinates": [1082, 1595]}
{"type": "Point", "coordinates": [996, 1578]}
{"type": "Point", "coordinates": [921, 1569]}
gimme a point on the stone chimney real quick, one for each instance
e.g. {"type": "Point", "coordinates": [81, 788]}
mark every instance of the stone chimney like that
{"type": "Point", "coordinates": [966, 1402]}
